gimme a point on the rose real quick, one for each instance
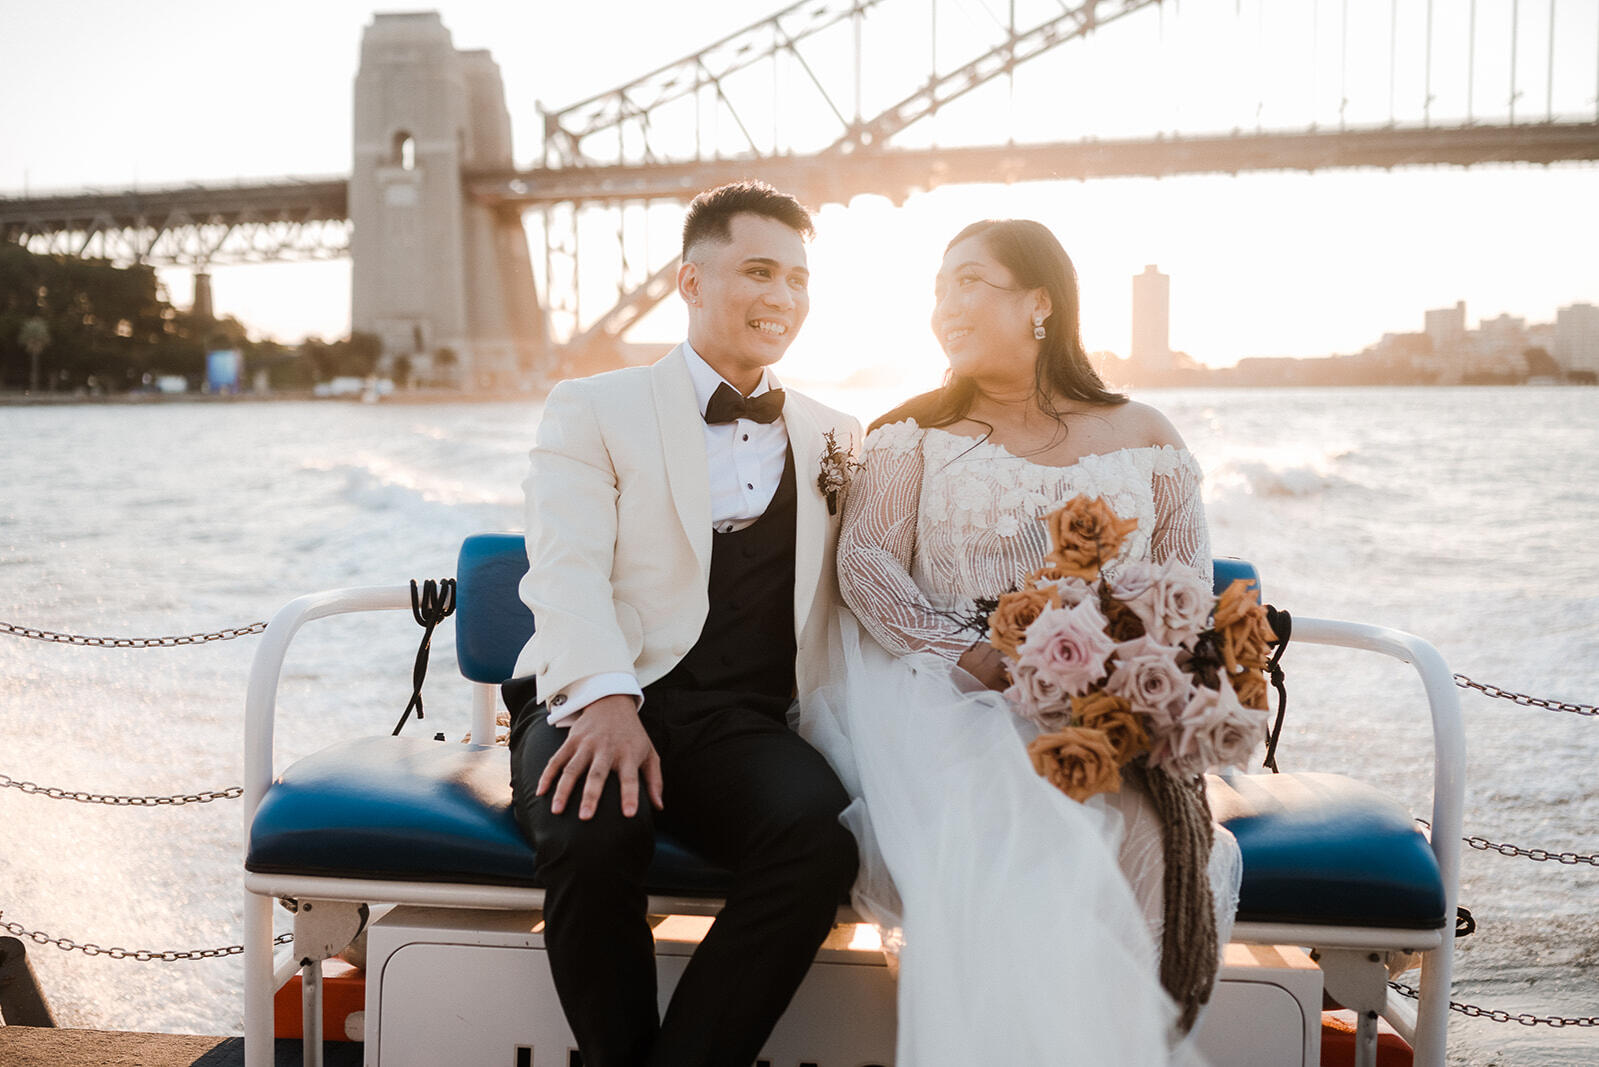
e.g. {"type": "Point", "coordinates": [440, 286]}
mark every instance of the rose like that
{"type": "Point", "coordinates": [1007, 625]}
{"type": "Point", "coordinates": [1086, 534]}
{"type": "Point", "coordinates": [1147, 676]}
{"type": "Point", "coordinates": [1115, 718]}
{"type": "Point", "coordinates": [1132, 579]}
{"type": "Point", "coordinates": [1122, 622]}
{"type": "Point", "coordinates": [1079, 762]}
{"type": "Point", "coordinates": [1250, 687]}
{"type": "Point", "coordinates": [1070, 591]}
{"type": "Point", "coordinates": [1173, 604]}
{"type": "Point", "coordinates": [1243, 627]}
{"type": "Point", "coordinates": [1214, 730]}
{"type": "Point", "coordinates": [1068, 645]}
{"type": "Point", "coordinates": [1039, 697]}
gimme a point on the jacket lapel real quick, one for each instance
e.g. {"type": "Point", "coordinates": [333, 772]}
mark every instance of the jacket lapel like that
{"type": "Point", "coordinates": [810, 517]}
{"type": "Point", "coordinates": [683, 451]}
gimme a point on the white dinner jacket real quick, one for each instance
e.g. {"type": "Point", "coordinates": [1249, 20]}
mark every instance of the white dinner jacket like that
{"type": "Point", "coordinates": [618, 514]}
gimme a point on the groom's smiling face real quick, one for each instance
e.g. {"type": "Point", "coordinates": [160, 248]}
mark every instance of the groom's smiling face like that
{"type": "Point", "coordinates": [747, 296]}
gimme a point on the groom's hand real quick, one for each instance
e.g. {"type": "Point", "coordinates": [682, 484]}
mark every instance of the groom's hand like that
{"type": "Point", "coordinates": [605, 738]}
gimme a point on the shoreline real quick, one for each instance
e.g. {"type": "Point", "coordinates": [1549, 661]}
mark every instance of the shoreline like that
{"type": "Point", "coordinates": [458, 396]}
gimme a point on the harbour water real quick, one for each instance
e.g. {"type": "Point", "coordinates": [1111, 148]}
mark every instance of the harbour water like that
{"type": "Point", "coordinates": [1468, 516]}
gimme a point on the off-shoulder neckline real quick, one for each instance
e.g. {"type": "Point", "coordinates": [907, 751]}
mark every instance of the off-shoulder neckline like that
{"type": "Point", "coordinates": [977, 442]}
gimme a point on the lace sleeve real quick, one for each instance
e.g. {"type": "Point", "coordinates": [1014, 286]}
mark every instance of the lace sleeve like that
{"type": "Point", "coordinates": [876, 542]}
{"type": "Point", "coordinates": [1180, 529]}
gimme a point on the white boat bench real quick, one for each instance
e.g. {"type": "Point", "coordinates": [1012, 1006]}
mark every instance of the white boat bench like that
{"type": "Point", "coordinates": [1329, 863]}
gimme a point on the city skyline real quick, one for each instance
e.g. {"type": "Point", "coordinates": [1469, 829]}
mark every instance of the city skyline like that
{"type": "Point", "coordinates": [1270, 263]}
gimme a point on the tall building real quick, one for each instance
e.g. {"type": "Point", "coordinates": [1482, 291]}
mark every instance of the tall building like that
{"type": "Point", "coordinates": [1151, 318]}
{"type": "Point", "coordinates": [1576, 344]}
{"type": "Point", "coordinates": [1446, 327]}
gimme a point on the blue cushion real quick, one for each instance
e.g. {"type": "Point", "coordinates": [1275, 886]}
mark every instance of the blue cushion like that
{"type": "Point", "coordinates": [491, 622]}
{"type": "Point", "coordinates": [1328, 850]}
{"type": "Point", "coordinates": [1229, 569]}
{"type": "Point", "coordinates": [408, 809]}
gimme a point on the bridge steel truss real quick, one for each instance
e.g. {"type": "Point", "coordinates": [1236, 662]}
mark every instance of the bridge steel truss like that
{"type": "Point", "coordinates": [627, 147]}
{"type": "Point", "coordinates": [848, 166]}
{"type": "Point", "coordinates": [199, 226]}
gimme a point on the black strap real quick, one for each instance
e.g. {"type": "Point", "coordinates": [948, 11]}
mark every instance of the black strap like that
{"type": "Point", "coordinates": [435, 603]}
{"type": "Point", "coordinates": [1282, 626]}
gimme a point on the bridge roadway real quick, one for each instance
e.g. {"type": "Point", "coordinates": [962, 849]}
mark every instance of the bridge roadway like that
{"type": "Point", "coordinates": [823, 178]}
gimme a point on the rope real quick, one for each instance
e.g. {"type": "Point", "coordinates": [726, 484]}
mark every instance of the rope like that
{"type": "Point", "coordinates": [434, 604]}
{"type": "Point", "coordinates": [1188, 949]}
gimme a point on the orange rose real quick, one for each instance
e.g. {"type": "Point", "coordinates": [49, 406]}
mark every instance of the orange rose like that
{"type": "Point", "coordinates": [1244, 631]}
{"type": "Point", "coordinates": [1079, 762]}
{"type": "Point", "coordinates": [1086, 534]}
{"type": "Point", "coordinates": [1122, 623]}
{"type": "Point", "coordinates": [1249, 686]}
{"type": "Point", "coordinates": [1007, 626]}
{"type": "Point", "coordinates": [1116, 719]}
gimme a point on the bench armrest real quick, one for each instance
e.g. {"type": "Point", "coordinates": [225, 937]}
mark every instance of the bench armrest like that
{"type": "Point", "coordinates": [260, 702]}
{"type": "Point", "coordinates": [1448, 796]}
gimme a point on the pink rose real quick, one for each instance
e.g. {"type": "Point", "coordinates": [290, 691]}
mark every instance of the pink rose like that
{"type": "Point", "coordinates": [1072, 591]}
{"type": "Point", "coordinates": [1214, 730]}
{"type": "Point", "coordinates": [1147, 676]}
{"type": "Point", "coordinates": [1039, 698]}
{"type": "Point", "coordinates": [1132, 579]}
{"type": "Point", "coordinates": [1175, 606]}
{"type": "Point", "coordinates": [1069, 646]}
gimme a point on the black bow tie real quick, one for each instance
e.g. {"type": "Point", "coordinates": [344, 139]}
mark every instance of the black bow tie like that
{"type": "Point", "coordinates": [726, 405]}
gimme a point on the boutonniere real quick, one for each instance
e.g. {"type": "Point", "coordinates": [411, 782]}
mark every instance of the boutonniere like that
{"type": "Point", "coordinates": [838, 464]}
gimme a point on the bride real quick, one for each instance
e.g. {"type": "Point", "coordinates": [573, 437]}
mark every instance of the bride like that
{"type": "Point", "coordinates": [1031, 929]}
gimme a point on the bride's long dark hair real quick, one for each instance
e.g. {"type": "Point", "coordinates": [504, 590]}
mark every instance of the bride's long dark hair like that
{"type": "Point", "coordinates": [1037, 261]}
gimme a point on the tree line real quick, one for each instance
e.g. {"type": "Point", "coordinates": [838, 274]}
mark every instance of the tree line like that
{"type": "Point", "coordinates": [79, 325]}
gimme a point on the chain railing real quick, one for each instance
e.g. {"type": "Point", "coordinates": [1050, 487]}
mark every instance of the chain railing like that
{"type": "Point", "coordinates": [232, 792]}
{"type": "Point", "coordinates": [1542, 855]}
{"type": "Point", "coordinates": [1523, 699]}
{"type": "Point", "coordinates": [131, 642]}
{"type": "Point", "coordinates": [143, 955]}
{"type": "Point", "coordinates": [1475, 1011]}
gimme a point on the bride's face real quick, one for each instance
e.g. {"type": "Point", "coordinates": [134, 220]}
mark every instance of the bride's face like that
{"type": "Point", "coordinates": [982, 317]}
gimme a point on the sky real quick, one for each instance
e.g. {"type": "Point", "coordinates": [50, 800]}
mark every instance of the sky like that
{"type": "Point", "coordinates": [116, 93]}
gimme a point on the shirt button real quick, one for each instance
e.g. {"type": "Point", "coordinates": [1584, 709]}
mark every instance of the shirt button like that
{"type": "Point", "coordinates": [746, 437]}
{"type": "Point", "coordinates": [749, 485]}
{"type": "Point", "coordinates": [558, 700]}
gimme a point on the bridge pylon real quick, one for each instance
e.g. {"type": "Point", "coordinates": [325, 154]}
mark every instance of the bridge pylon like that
{"type": "Point", "coordinates": [444, 280]}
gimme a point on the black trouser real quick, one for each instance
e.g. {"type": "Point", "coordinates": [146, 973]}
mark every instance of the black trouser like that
{"type": "Point", "coordinates": [745, 793]}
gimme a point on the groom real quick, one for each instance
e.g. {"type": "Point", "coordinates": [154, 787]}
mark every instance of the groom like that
{"type": "Point", "coordinates": [682, 581]}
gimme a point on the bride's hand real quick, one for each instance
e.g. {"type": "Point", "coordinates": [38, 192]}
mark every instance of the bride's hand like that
{"type": "Point", "coordinates": [983, 662]}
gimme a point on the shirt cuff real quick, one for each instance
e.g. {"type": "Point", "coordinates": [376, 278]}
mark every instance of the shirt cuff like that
{"type": "Point", "coordinates": [585, 691]}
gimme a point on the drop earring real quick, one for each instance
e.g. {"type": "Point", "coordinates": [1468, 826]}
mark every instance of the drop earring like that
{"type": "Point", "coordinates": [1038, 326]}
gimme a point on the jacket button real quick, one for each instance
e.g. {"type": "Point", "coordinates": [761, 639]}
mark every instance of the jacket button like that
{"type": "Point", "coordinates": [557, 700]}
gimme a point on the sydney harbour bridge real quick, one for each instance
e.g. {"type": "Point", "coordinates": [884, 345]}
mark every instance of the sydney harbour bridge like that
{"type": "Point", "coordinates": [434, 211]}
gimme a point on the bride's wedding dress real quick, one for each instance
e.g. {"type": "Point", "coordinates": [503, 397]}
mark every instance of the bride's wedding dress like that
{"type": "Point", "coordinates": [1028, 924]}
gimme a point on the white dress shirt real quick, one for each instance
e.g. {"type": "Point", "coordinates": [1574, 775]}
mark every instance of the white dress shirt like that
{"type": "Point", "coordinates": [745, 462]}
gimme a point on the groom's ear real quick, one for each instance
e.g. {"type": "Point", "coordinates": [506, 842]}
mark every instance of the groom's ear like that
{"type": "Point", "coordinates": [688, 283]}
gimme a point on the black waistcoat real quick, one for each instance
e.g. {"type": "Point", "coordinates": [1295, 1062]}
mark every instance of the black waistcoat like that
{"type": "Point", "coordinates": [747, 643]}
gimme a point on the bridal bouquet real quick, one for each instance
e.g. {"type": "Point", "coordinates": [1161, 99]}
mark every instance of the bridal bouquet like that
{"type": "Point", "coordinates": [1143, 661]}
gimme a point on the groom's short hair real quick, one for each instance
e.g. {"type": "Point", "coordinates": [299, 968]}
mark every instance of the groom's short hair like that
{"type": "Point", "coordinates": [710, 214]}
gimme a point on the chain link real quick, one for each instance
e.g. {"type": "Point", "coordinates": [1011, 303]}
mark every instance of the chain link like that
{"type": "Point", "coordinates": [143, 955]}
{"type": "Point", "coordinates": [1542, 855]}
{"type": "Point", "coordinates": [131, 642]}
{"type": "Point", "coordinates": [232, 792]}
{"type": "Point", "coordinates": [1473, 1011]}
{"type": "Point", "coordinates": [1523, 699]}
